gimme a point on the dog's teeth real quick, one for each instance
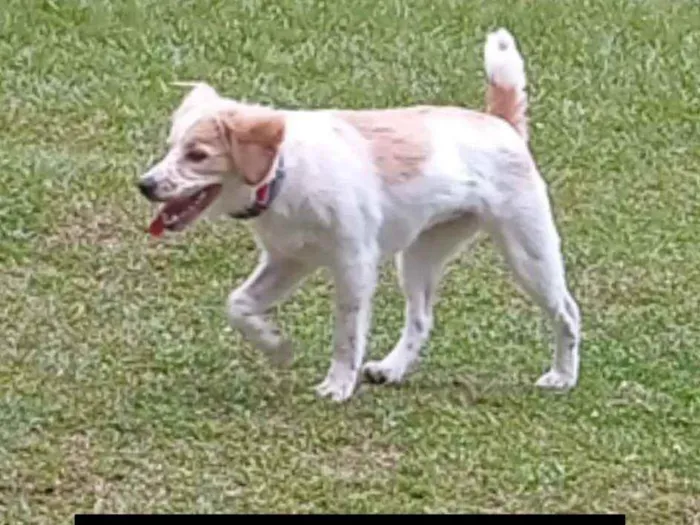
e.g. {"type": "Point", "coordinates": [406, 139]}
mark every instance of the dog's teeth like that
{"type": "Point", "coordinates": [192, 208]}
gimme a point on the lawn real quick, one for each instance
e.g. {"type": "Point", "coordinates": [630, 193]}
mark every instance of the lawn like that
{"type": "Point", "coordinates": [121, 386]}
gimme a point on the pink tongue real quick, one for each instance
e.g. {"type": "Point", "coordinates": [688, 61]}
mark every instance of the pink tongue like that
{"type": "Point", "coordinates": [157, 227]}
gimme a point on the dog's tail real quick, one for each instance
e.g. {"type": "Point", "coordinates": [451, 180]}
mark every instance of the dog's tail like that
{"type": "Point", "coordinates": [505, 70]}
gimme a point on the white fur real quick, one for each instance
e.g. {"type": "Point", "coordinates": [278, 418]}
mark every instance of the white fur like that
{"type": "Point", "coordinates": [334, 211]}
{"type": "Point", "coordinates": [504, 64]}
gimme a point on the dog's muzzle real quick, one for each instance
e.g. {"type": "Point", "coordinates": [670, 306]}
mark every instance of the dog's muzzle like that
{"type": "Point", "coordinates": [147, 186]}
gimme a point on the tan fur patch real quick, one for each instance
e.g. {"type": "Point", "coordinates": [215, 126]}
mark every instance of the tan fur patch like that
{"type": "Point", "coordinates": [505, 102]}
{"type": "Point", "coordinates": [242, 141]}
{"type": "Point", "coordinates": [398, 139]}
{"type": "Point", "coordinates": [204, 132]}
{"type": "Point", "coordinates": [254, 139]}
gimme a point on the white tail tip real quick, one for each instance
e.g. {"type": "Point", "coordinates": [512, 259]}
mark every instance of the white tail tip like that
{"type": "Point", "coordinates": [504, 65]}
{"type": "Point", "coordinates": [502, 39]}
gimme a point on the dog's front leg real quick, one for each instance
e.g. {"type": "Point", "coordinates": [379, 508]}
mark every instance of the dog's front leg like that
{"type": "Point", "coordinates": [355, 282]}
{"type": "Point", "coordinates": [249, 305]}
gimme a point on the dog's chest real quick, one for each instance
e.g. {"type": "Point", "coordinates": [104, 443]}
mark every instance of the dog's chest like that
{"type": "Point", "coordinates": [289, 242]}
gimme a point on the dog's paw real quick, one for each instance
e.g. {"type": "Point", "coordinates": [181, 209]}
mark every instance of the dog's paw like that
{"type": "Point", "coordinates": [554, 380]}
{"type": "Point", "coordinates": [380, 372]}
{"type": "Point", "coordinates": [337, 387]}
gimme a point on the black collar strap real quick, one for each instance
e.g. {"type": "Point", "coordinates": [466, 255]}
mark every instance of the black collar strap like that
{"type": "Point", "coordinates": [264, 195]}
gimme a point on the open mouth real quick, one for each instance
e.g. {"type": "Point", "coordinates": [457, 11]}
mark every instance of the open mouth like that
{"type": "Point", "coordinates": [176, 214]}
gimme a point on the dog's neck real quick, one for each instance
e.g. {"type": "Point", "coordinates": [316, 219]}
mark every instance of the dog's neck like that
{"type": "Point", "coordinates": [264, 195]}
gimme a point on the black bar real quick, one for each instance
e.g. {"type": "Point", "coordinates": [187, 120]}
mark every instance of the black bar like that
{"type": "Point", "coordinates": [203, 519]}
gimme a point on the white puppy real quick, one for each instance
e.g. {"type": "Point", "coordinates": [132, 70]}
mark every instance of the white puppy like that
{"type": "Point", "coordinates": [347, 189]}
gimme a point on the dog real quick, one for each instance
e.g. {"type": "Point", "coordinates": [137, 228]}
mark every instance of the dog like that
{"type": "Point", "coordinates": [347, 189]}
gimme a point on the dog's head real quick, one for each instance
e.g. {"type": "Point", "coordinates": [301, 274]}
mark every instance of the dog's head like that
{"type": "Point", "coordinates": [219, 151]}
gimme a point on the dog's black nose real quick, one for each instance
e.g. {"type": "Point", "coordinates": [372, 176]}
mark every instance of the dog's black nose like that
{"type": "Point", "coordinates": [147, 187]}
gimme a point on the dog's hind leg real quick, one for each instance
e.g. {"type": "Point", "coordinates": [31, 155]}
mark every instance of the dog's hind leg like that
{"type": "Point", "coordinates": [524, 229]}
{"type": "Point", "coordinates": [248, 305]}
{"type": "Point", "coordinates": [420, 268]}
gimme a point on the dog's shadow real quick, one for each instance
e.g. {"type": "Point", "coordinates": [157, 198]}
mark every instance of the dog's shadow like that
{"type": "Point", "coordinates": [267, 388]}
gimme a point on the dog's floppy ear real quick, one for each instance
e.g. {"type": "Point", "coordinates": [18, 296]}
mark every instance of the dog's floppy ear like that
{"type": "Point", "coordinates": [254, 139]}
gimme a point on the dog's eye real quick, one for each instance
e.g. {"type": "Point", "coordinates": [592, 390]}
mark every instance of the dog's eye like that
{"type": "Point", "coordinates": [196, 155]}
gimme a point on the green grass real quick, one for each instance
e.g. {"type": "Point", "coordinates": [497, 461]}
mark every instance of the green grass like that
{"type": "Point", "coordinates": [121, 387]}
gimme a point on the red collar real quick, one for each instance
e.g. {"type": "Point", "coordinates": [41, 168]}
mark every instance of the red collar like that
{"type": "Point", "coordinates": [264, 195]}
